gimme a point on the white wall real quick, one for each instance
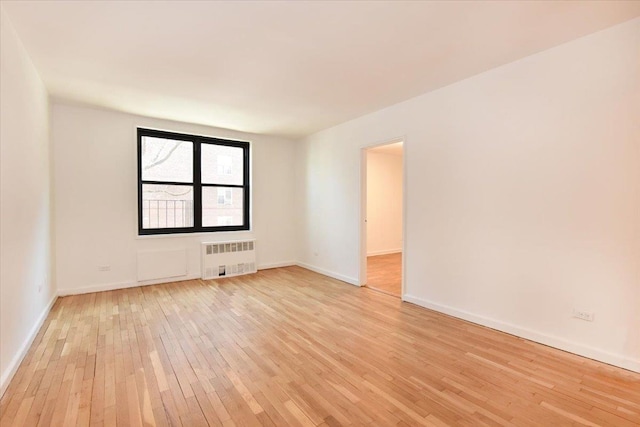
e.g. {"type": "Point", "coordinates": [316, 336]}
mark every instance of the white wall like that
{"type": "Point", "coordinates": [96, 198]}
{"type": "Point", "coordinates": [523, 195]}
{"type": "Point", "coordinates": [26, 288]}
{"type": "Point", "coordinates": [384, 202]}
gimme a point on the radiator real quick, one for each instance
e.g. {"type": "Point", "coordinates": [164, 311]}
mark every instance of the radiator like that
{"type": "Point", "coordinates": [226, 259]}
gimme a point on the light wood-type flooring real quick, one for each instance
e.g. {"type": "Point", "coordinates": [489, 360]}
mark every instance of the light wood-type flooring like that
{"type": "Point", "coordinates": [384, 273]}
{"type": "Point", "coordinates": [291, 347]}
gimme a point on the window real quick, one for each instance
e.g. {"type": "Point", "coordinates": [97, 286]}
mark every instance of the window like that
{"type": "Point", "coordinates": [224, 165]}
{"type": "Point", "coordinates": [225, 196]}
{"type": "Point", "coordinates": [189, 183]}
{"type": "Point", "coordinates": [225, 220]}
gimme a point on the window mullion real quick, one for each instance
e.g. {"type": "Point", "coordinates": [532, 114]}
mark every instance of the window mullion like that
{"type": "Point", "coordinates": [184, 184]}
{"type": "Point", "coordinates": [197, 185]}
{"type": "Point", "coordinates": [245, 183]}
{"type": "Point", "coordinates": [223, 185]}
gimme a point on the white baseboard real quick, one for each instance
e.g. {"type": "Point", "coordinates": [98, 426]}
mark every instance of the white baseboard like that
{"type": "Point", "coordinates": [540, 337]}
{"type": "Point", "coordinates": [132, 284]}
{"type": "Point", "coordinates": [123, 285]}
{"type": "Point", "coordinates": [8, 374]}
{"type": "Point", "coordinates": [276, 265]}
{"type": "Point", "coordinates": [384, 252]}
{"type": "Point", "coordinates": [349, 280]}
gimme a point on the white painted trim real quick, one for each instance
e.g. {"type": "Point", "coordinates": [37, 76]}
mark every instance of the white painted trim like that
{"type": "Point", "coordinates": [123, 285]}
{"type": "Point", "coordinates": [199, 234]}
{"type": "Point", "coordinates": [385, 252]}
{"type": "Point", "coordinates": [276, 265]}
{"type": "Point", "coordinates": [362, 219]}
{"type": "Point", "coordinates": [362, 211]}
{"type": "Point", "coordinates": [167, 280]}
{"type": "Point", "coordinates": [11, 370]}
{"type": "Point", "coordinates": [349, 280]}
{"type": "Point", "coordinates": [133, 284]}
{"type": "Point", "coordinates": [539, 337]}
{"type": "Point", "coordinates": [405, 198]}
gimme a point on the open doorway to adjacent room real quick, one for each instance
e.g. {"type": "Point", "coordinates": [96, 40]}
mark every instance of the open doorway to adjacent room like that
{"type": "Point", "coordinates": [383, 229]}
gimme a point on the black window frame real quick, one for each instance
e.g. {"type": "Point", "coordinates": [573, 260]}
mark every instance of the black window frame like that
{"type": "Point", "coordinates": [197, 184]}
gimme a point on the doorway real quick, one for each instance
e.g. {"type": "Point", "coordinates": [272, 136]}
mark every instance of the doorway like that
{"type": "Point", "coordinates": [383, 173]}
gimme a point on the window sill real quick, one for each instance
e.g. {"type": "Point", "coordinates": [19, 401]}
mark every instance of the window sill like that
{"type": "Point", "coordinates": [183, 235]}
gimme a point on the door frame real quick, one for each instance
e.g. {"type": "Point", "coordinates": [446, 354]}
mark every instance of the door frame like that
{"type": "Point", "coordinates": [363, 209]}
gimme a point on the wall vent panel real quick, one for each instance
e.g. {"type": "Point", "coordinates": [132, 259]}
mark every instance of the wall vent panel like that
{"type": "Point", "coordinates": [167, 264]}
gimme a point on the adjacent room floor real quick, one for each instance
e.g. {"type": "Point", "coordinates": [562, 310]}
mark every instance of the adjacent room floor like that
{"type": "Point", "coordinates": [291, 347]}
{"type": "Point", "coordinates": [384, 273]}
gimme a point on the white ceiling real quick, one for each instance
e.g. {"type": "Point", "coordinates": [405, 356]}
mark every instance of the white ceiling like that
{"type": "Point", "coordinates": [284, 68]}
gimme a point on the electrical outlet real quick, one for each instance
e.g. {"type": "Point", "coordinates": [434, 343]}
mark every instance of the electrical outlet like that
{"type": "Point", "coordinates": [583, 315]}
{"type": "Point", "coordinates": [104, 268]}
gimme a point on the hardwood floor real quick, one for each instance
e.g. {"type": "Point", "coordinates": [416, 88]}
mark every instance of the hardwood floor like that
{"type": "Point", "coordinates": [384, 273]}
{"type": "Point", "coordinates": [291, 347]}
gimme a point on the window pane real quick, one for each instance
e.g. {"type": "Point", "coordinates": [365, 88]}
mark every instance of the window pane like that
{"type": "Point", "coordinates": [222, 206]}
{"type": "Point", "coordinates": [167, 206]}
{"type": "Point", "coordinates": [221, 164]}
{"type": "Point", "coordinates": [167, 160]}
